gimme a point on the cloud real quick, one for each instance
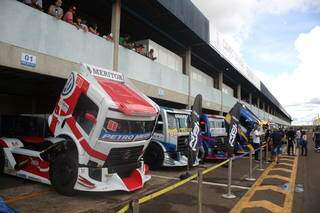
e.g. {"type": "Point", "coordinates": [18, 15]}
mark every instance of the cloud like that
{"type": "Point", "coordinates": [235, 19]}
{"type": "Point", "coordinates": [232, 18]}
{"type": "Point", "coordinates": [299, 90]}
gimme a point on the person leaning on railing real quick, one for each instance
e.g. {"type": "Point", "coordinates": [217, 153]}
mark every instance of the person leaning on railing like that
{"type": "Point", "coordinates": [55, 9]}
{"type": "Point", "coordinates": [37, 4]}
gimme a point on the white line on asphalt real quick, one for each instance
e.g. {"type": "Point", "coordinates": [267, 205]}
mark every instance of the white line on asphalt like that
{"type": "Point", "coordinates": [204, 182]}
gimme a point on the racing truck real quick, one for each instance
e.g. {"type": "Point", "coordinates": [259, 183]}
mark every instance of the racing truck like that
{"type": "Point", "coordinates": [213, 135]}
{"type": "Point", "coordinates": [99, 130]}
{"type": "Point", "coordinates": [169, 143]}
{"type": "Point", "coordinates": [240, 122]}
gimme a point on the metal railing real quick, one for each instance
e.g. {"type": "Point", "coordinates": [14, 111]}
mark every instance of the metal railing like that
{"type": "Point", "coordinates": [135, 203]}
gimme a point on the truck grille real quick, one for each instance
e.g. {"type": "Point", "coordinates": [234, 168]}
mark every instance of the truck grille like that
{"type": "Point", "coordinates": [221, 144]}
{"type": "Point", "coordinates": [123, 160]}
{"type": "Point", "coordinates": [182, 145]}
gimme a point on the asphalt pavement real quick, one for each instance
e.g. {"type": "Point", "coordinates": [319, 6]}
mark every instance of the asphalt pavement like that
{"type": "Point", "coordinates": [308, 200]}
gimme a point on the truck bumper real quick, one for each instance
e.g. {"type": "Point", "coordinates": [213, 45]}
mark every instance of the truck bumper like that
{"type": "Point", "coordinates": [112, 182]}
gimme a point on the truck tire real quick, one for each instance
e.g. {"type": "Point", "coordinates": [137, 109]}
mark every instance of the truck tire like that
{"type": "Point", "coordinates": [2, 160]}
{"type": "Point", "coordinates": [64, 172]}
{"type": "Point", "coordinates": [154, 156]}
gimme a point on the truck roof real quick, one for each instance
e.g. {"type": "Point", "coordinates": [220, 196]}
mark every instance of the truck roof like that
{"type": "Point", "coordinates": [214, 116]}
{"type": "Point", "coordinates": [173, 110]}
{"type": "Point", "coordinates": [127, 99]}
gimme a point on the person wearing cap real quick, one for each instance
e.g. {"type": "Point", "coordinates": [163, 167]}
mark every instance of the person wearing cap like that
{"type": "Point", "coordinates": [68, 17]}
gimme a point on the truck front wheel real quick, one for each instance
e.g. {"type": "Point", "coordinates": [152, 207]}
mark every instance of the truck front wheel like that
{"type": "Point", "coordinates": [2, 160]}
{"type": "Point", "coordinates": [154, 156]}
{"type": "Point", "coordinates": [64, 172]}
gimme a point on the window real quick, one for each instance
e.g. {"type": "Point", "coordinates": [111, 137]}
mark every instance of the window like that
{"type": "Point", "coordinates": [159, 127]}
{"type": "Point", "coordinates": [126, 130]}
{"type": "Point", "coordinates": [85, 105]}
{"type": "Point", "coordinates": [172, 122]}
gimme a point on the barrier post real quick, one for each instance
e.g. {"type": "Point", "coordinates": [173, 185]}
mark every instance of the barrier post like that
{"type": "Point", "coordinates": [200, 179]}
{"type": "Point", "coordinates": [250, 178]}
{"type": "Point", "coordinates": [267, 153]}
{"type": "Point", "coordinates": [260, 164]}
{"type": "Point", "coordinates": [229, 195]}
{"type": "Point", "coordinates": [135, 206]}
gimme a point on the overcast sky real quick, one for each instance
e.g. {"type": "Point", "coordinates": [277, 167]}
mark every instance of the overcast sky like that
{"type": "Point", "coordinates": [280, 41]}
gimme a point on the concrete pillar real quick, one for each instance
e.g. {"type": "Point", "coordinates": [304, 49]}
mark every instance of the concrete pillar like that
{"type": "Point", "coordinates": [250, 98]}
{"type": "Point", "coordinates": [220, 80]}
{"type": "Point", "coordinates": [258, 102]}
{"type": "Point", "coordinates": [187, 66]}
{"type": "Point", "coordinates": [220, 83]}
{"type": "Point", "coordinates": [239, 91]}
{"type": "Point", "coordinates": [115, 29]}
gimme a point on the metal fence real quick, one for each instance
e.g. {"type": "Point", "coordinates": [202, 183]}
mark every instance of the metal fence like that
{"type": "Point", "coordinates": [135, 203]}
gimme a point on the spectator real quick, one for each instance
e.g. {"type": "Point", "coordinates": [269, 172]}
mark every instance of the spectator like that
{"type": "Point", "coordinates": [109, 37]}
{"type": "Point", "coordinates": [304, 144]}
{"type": "Point", "coordinates": [140, 49]}
{"type": "Point", "coordinates": [276, 137]}
{"type": "Point", "coordinates": [68, 16]}
{"type": "Point", "coordinates": [94, 29]}
{"type": "Point", "coordinates": [290, 137]}
{"type": "Point", "coordinates": [81, 24]}
{"type": "Point", "coordinates": [316, 138]}
{"type": "Point", "coordinates": [298, 138]}
{"type": "Point", "coordinates": [125, 41]}
{"type": "Point", "coordinates": [256, 141]}
{"type": "Point", "coordinates": [55, 9]}
{"type": "Point", "coordinates": [37, 4]}
{"type": "Point", "coordinates": [151, 55]}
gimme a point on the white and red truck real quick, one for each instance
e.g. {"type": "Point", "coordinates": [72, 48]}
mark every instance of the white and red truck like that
{"type": "Point", "coordinates": [100, 129]}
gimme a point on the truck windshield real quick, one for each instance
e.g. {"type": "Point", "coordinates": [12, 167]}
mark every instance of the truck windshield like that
{"type": "Point", "coordinates": [126, 130]}
{"type": "Point", "coordinates": [216, 123]}
{"type": "Point", "coordinates": [180, 122]}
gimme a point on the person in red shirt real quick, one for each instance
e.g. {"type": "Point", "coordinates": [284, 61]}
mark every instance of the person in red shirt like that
{"type": "Point", "coordinates": [68, 16]}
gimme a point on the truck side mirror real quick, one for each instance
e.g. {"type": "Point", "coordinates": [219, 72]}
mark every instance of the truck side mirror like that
{"type": "Point", "coordinates": [88, 116]}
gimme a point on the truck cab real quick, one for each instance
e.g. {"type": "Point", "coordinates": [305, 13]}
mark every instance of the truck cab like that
{"type": "Point", "coordinates": [169, 143]}
{"type": "Point", "coordinates": [101, 126]}
{"type": "Point", "coordinates": [213, 135]}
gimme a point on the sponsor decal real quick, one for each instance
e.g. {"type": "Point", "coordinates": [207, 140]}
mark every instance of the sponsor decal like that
{"type": "Point", "coordinates": [103, 73]}
{"type": "Point", "coordinates": [194, 136]}
{"type": "Point", "coordinates": [142, 136]}
{"type": "Point", "coordinates": [125, 137]}
{"type": "Point", "coordinates": [233, 134]}
{"type": "Point", "coordinates": [112, 125]}
{"type": "Point", "coordinates": [118, 137]}
{"type": "Point", "coordinates": [69, 85]}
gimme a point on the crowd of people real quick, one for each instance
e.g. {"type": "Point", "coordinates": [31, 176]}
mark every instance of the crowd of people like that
{"type": "Point", "coordinates": [80, 23]}
{"type": "Point", "coordinates": [294, 139]}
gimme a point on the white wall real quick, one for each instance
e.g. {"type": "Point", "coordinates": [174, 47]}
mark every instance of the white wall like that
{"type": "Point", "coordinates": [227, 90]}
{"type": "Point", "coordinates": [163, 55]}
{"type": "Point", "coordinates": [26, 27]}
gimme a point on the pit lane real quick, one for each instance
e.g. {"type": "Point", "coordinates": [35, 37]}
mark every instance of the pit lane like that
{"type": "Point", "coordinates": [27, 196]}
